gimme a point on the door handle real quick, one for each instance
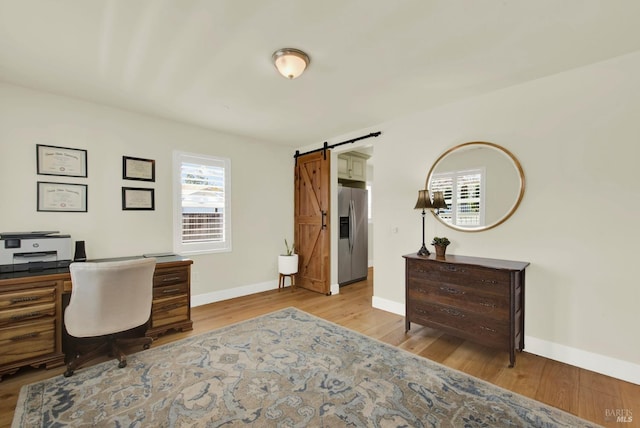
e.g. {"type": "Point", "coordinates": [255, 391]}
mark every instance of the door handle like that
{"type": "Point", "coordinates": [352, 228]}
{"type": "Point", "coordinates": [324, 219]}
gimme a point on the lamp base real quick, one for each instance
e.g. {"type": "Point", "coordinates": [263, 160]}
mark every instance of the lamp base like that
{"type": "Point", "coordinates": [423, 251]}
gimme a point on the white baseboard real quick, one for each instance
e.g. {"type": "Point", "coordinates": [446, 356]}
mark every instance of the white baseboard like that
{"type": "Point", "coordinates": [216, 296]}
{"type": "Point", "coordinates": [335, 289]}
{"type": "Point", "coordinates": [388, 305]}
{"type": "Point", "coordinates": [602, 364]}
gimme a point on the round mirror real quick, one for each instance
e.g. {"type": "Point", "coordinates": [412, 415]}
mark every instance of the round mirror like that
{"type": "Point", "coordinates": [482, 184]}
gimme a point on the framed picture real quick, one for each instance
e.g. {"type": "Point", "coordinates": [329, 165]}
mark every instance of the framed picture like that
{"type": "Point", "coordinates": [138, 169]}
{"type": "Point", "coordinates": [136, 198]}
{"type": "Point", "coordinates": [54, 160]}
{"type": "Point", "coordinates": [62, 197]}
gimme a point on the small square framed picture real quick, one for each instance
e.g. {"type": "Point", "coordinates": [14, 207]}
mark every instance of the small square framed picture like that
{"type": "Point", "coordinates": [138, 169]}
{"type": "Point", "coordinates": [137, 198]}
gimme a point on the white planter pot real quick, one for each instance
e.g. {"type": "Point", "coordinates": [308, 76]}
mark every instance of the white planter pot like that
{"type": "Point", "coordinates": [288, 265]}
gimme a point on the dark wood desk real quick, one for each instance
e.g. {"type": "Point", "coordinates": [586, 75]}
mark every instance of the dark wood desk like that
{"type": "Point", "coordinates": [31, 311]}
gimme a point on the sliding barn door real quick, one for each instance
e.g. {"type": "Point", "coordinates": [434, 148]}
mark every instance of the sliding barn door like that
{"type": "Point", "coordinates": [312, 230]}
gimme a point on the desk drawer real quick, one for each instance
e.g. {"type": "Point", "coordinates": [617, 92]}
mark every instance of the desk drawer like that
{"type": "Point", "coordinates": [26, 313]}
{"type": "Point", "coordinates": [27, 297]}
{"type": "Point", "coordinates": [164, 277]}
{"type": "Point", "coordinates": [27, 340]}
{"type": "Point", "coordinates": [169, 310]}
{"type": "Point", "coordinates": [170, 290]}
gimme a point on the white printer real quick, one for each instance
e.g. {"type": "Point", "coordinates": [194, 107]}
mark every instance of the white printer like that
{"type": "Point", "coordinates": [34, 251]}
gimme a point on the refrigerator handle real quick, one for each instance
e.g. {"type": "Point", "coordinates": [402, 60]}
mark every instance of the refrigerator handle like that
{"type": "Point", "coordinates": [352, 226]}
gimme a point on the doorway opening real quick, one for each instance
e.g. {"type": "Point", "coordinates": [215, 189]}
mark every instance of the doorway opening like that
{"type": "Point", "coordinates": [354, 190]}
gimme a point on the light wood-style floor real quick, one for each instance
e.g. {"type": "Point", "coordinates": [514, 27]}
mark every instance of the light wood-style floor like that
{"type": "Point", "coordinates": [586, 394]}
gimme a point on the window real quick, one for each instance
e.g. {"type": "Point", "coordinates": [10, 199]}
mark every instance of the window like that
{"type": "Point", "coordinates": [464, 194]}
{"type": "Point", "coordinates": [202, 214]}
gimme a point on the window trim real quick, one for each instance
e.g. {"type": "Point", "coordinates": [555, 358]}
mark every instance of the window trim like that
{"type": "Point", "coordinates": [179, 246]}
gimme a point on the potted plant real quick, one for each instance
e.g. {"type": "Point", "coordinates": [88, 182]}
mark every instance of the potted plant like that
{"type": "Point", "coordinates": [441, 245]}
{"type": "Point", "coordinates": [288, 262]}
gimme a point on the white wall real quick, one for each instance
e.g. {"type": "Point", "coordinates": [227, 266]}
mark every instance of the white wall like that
{"type": "Point", "coordinates": [576, 135]}
{"type": "Point", "coordinates": [261, 185]}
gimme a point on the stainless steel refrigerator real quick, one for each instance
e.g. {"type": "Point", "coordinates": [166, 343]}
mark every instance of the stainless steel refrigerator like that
{"type": "Point", "coordinates": [353, 242]}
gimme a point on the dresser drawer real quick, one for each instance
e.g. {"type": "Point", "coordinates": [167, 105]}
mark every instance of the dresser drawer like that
{"type": "Point", "coordinates": [169, 310]}
{"type": "Point", "coordinates": [491, 305]}
{"type": "Point", "coordinates": [27, 297]}
{"type": "Point", "coordinates": [457, 321]}
{"type": "Point", "coordinates": [164, 277]}
{"type": "Point", "coordinates": [482, 279]}
{"type": "Point", "coordinates": [25, 313]}
{"type": "Point", "coordinates": [27, 340]}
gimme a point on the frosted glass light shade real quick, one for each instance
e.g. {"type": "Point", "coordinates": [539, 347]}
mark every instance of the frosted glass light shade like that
{"type": "Point", "coordinates": [290, 62]}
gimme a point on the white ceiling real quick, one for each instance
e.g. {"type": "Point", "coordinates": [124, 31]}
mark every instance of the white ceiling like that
{"type": "Point", "coordinates": [208, 62]}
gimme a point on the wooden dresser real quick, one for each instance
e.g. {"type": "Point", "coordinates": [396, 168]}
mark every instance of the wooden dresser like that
{"type": "Point", "coordinates": [477, 299]}
{"type": "Point", "coordinates": [31, 311]}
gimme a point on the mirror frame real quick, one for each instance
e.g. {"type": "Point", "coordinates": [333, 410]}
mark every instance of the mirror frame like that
{"type": "Point", "coordinates": [513, 208]}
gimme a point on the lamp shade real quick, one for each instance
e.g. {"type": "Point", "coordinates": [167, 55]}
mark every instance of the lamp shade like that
{"type": "Point", "coordinates": [424, 201]}
{"type": "Point", "coordinates": [290, 62]}
{"type": "Point", "coordinates": [438, 200]}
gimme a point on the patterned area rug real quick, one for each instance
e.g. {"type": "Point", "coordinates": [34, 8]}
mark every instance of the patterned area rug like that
{"type": "Point", "coordinates": [285, 369]}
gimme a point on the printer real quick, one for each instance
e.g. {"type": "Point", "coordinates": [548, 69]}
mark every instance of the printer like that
{"type": "Point", "coordinates": [34, 251]}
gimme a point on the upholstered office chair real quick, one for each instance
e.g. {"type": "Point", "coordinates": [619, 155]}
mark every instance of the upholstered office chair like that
{"type": "Point", "coordinates": [107, 299]}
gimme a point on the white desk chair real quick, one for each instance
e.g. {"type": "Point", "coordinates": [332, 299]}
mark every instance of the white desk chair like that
{"type": "Point", "coordinates": [107, 299]}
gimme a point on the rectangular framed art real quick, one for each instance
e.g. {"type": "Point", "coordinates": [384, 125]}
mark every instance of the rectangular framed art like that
{"type": "Point", "coordinates": [136, 198]}
{"type": "Point", "coordinates": [62, 197]}
{"type": "Point", "coordinates": [52, 160]}
{"type": "Point", "coordinates": [138, 169]}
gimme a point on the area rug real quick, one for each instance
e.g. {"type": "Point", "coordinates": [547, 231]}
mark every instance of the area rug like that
{"type": "Point", "coordinates": [284, 369]}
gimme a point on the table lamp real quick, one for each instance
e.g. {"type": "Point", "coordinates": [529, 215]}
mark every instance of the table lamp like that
{"type": "Point", "coordinates": [424, 202]}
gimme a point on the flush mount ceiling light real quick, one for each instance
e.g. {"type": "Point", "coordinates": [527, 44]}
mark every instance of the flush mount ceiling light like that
{"type": "Point", "coordinates": [290, 62]}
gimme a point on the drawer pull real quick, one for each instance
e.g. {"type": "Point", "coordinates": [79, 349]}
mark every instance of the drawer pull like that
{"type": "Point", "coordinates": [451, 290]}
{"type": "Point", "coordinates": [449, 268]}
{"type": "Point", "coordinates": [489, 281]}
{"type": "Point", "coordinates": [173, 278]}
{"type": "Point", "coordinates": [171, 290]}
{"type": "Point", "coordinates": [488, 305]}
{"type": "Point", "coordinates": [25, 336]}
{"type": "Point", "coordinates": [25, 299]}
{"type": "Point", "coordinates": [174, 306]}
{"type": "Point", "coordinates": [25, 316]}
{"type": "Point", "coordinates": [453, 312]}
{"type": "Point", "coordinates": [482, 327]}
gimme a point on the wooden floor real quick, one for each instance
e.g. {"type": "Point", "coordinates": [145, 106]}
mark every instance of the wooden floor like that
{"type": "Point", "coordinates": [589, 395]}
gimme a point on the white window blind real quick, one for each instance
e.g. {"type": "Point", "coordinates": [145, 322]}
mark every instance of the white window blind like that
{"type": "Point", "coordinates": [464, 195]}
{"type": "Point", "coordinates": [202, 209]}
